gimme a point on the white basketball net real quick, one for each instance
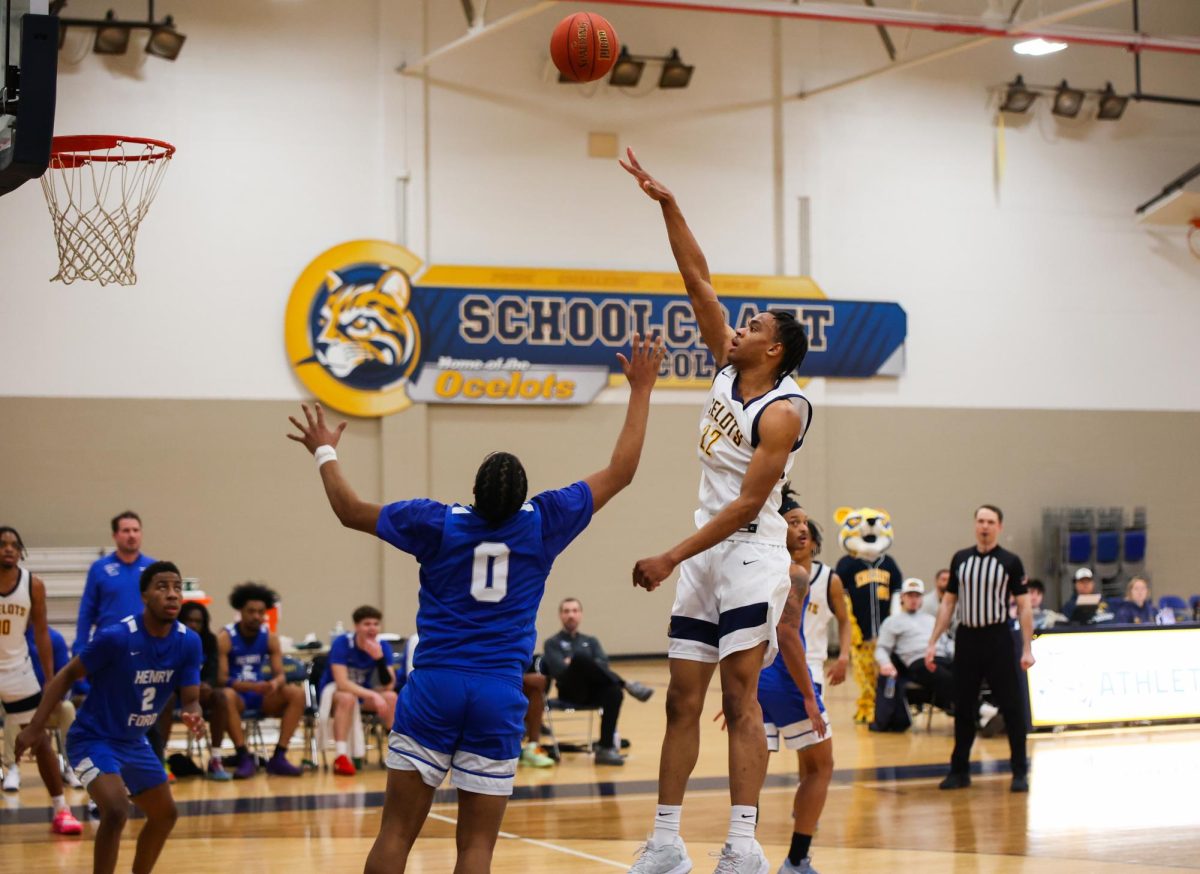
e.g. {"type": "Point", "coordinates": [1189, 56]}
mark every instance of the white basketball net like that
{"type": "Point", "coordinates": [98, 190]}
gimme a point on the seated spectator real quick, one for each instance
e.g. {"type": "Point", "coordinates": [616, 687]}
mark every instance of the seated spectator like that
{"type": "Point", "coordinates": [195, 616]}
{"type": "Point", "coordinates": [1137, 608]}
{"type": "Point", "coordinates": [900, 647]}
{"type": "Point", "coordinates": [1043, 617]}
{"type": "Point", "coordinates": [359, 674]}
{"type": "Point", "coordinates": [247, 649]}
{"type": "Point", "coordinates": [534, 686]}
{"type": "Point", "coordinates": [579, 665]}
{"type": "Point", "coordinates": [61, 720]}
{"type": "Point", "coordinates": [1084, 585]}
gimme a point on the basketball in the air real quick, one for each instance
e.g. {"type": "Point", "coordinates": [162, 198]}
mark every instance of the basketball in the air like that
{"type": "Point", "coordinates": [584, 47]}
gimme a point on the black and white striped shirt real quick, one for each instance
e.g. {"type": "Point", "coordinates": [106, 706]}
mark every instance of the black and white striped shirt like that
{"type": "Point", "coordinates": [983, 581]}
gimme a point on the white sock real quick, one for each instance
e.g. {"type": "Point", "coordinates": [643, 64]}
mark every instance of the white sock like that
{"type": "Point", "coordinates": [341, 747]}
{"type": "Point", "coordinates": [59, 803]}
{"type": "Point", "coordinates": [742, 820]}
{"type": "Point", "coordinates": [666, 823]}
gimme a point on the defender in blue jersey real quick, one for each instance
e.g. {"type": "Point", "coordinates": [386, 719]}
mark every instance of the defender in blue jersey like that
{"type": "Point", "coordinates": [793, 712]}
{"type": "Point", "coordinates": [483, 573]}
{"type": "Point", "coordinates": [134, 666]}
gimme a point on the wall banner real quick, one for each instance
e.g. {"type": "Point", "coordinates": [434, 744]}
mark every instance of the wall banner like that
{"type": "Point", "coordinates": [368, 340]}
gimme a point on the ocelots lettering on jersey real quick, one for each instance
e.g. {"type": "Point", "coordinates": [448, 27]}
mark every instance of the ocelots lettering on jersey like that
{"type": "Point", "coordinates": [12, 609]}
{"type": "Point", "coordinates": [724, 420]}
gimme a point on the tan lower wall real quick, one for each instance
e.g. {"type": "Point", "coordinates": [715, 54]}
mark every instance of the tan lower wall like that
{"type": "Point", "coordinates": [226, 496]}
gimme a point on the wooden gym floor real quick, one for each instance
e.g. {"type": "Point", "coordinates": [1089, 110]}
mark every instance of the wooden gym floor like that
{"type": "Point", "coordinates": [1100, 802]}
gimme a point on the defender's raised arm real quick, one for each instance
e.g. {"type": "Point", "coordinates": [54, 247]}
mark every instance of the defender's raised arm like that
{"type": "Point", "coordinates": [641, 369]}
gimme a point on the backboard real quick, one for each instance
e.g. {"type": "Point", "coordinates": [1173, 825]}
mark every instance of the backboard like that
{"type": "Point", "coordinates": [29, 68]}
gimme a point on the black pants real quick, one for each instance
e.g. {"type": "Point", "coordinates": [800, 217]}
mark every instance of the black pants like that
{"type": "Point", "coordinates": [986, 653]}
{"type": "Point", "coordinates": [587, 683]}
{"type": "Point", "coordinates": [939, 681]}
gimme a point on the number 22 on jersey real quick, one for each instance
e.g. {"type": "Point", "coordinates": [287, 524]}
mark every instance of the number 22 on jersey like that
{"type": "Point", "coordinates": [489, 572]}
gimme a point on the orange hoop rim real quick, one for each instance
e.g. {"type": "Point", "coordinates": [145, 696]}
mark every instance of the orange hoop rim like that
{"type": "Point", "coordinates": [75, 151]}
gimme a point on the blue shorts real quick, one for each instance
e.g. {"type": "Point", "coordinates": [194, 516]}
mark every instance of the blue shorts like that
{"type": "Point", "coordinates": [134, 761]}
{"type": "Point", "coordinates": [252, 700]}
{"type": "Point", "coordinates": [785, 716]}
{"type": "Point", "coordinates": [466, 725]}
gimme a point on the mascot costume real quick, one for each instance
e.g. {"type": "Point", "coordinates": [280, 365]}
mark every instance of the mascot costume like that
{"type": "Point", "coordinates": [870, 576]}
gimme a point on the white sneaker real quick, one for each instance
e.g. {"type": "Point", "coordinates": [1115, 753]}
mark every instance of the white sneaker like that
{"type": "Point", "coordinates": [805, 867]}
{"type": "Point", "coordinates": [987, 712]}
{"type": "Point", "coordinates": [12, 779]}
{"type": "Point", "coordinates": [753, 862]}
{"type": "Point", "coordinates": [669, 858]}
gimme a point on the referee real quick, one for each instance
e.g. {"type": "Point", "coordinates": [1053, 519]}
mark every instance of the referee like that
{"type": "Point", "coordinates": [981, 578]}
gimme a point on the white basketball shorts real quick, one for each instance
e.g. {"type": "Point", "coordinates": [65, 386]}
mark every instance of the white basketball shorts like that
{"type": "Point", "coordinates": [728, 599]}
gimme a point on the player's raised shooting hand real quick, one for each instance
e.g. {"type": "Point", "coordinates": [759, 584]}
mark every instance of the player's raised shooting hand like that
{"type": "Point", "coordinates": [314, 432]}
{"type": "Point", "coordinates": [654, 189]}
{"type": "Point", "coordinates": [645, 358]}
{"type": "Point", "coordinates": [650, 572]}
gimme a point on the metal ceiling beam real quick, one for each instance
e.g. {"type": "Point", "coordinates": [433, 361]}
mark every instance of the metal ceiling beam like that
{"type": "Point", "coordinates": [478, 31]}
{"type": "Point", "coordinates": [844, 13]}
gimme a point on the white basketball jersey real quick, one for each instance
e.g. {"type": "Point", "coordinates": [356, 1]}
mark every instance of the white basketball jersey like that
{"type": "Point", "coordinates": [14, 617]}
{"type": "Point", "coordinates": [728, 436]}
{"type": "Point", "coordinates": [816, 621]}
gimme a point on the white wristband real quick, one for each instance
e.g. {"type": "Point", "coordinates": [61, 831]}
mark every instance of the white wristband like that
{"type": "Point", "coordinates": [323, 454]}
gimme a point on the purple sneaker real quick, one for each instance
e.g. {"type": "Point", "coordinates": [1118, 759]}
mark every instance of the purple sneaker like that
{"type": "Point", "coordinates": [281, 767]}
{"type": "Point", "coordinates": [246, 767]}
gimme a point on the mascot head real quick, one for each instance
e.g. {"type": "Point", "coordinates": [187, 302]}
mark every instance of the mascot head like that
{"type": "Point", "coordinates": [864, 532]}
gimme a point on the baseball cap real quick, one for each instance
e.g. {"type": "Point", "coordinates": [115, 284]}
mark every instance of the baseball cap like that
{"type": "Point", "coordinates": [912, 584]}
{"type": "Point", "coordinates": [1084, 573]}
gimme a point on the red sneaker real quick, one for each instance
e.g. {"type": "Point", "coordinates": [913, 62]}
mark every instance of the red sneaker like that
{"type": "Point", "coordinates": [344, 767]}
{"type": "Point", "coordinates": [65, 823]}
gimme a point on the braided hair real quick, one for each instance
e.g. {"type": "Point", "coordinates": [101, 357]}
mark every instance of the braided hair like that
{"type": "Point", "coordinates": [792, 335]}
{"type": "Point", "coordinates": [500, 487]}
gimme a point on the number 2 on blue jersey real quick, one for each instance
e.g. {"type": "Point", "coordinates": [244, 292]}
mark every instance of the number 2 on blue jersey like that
{"type": "Point", "coordinates": [489, 572]}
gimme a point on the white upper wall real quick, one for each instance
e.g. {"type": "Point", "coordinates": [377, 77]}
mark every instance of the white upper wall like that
{"type": "Point", "coordinates": [1037, 290]}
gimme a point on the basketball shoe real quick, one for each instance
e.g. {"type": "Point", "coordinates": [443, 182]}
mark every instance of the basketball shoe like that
{"type": "Point", "coordinates": [805, 867]}
{"type": "Point", "coordinates": [752, 862]}
{"type": "Point", "coordinates": [343, 767]}
{"type": "Point", "coordinates": [669, 858]}
{"type": "Point", "coordinates": [65, 823]}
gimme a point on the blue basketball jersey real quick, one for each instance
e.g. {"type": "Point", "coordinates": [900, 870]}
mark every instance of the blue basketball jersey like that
{"type": "Point", "coordinates": [248, 658]}
{"type": "Point", "coordinates": [360, 667]}
{"type": "Point", "coordinates": [480, 585]}
{"type": "Point", "coordinates": [776, 674]}
{"type": "Point", "coordinates": [132, 673]}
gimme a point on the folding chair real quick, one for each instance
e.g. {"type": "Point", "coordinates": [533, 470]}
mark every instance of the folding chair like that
{"type": "Point", "coordinates": [588, 714]}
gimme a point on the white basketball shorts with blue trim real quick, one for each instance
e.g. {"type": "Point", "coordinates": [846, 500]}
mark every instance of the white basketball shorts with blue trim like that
{"type": "Point", "coordinates": [728, 599]}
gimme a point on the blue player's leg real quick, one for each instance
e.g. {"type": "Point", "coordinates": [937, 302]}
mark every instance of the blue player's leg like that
{"type": "Point", "coordinates": [405, 807]}
{"type": "Point", "coordinates": [159, 807]}
{"type": "Point", "coordinates": [112, 799]}
{"type": "Point", "coordinates": [479, 818]}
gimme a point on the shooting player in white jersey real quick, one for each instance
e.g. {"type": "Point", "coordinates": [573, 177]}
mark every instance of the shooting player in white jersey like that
{"type": "Point", "coordinates": [733, 580]}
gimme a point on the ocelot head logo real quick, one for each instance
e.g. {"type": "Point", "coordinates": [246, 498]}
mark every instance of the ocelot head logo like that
{"type": "Point", "coordinates": [361, 330]}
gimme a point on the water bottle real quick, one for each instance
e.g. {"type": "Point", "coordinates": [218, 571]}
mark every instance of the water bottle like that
{"type": "Point", "coordinates": [889, 690]}
{"type": "Point", "coordinates": [338, 630]}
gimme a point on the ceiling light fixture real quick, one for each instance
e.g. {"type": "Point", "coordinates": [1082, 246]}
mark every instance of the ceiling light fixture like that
{"type": "Point", "coordinates": [1038, 47]}
{"type": "Point", "coordinates": [1067, 101]}
{"type": "Point", "coordinates": [1017, 98]}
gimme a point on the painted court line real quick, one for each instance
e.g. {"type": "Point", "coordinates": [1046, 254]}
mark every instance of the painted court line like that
{"type": "Point", "coordinates": [544, 844]}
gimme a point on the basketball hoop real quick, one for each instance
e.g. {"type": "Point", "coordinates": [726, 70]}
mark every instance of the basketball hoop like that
{"type": "Point", "coordinates": [98, 189]}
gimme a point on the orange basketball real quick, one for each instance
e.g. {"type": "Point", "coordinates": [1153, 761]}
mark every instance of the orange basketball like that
{"type": "Point", "coordinates": [584, 47]}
